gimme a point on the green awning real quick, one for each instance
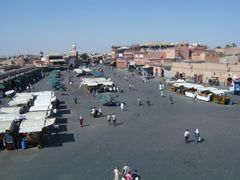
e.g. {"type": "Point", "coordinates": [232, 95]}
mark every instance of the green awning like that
{"type": "Point", "coordinates": [2, 86]}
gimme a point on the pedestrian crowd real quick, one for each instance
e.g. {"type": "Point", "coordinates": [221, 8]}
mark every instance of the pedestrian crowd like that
{"type": "Point", "coordinates": [126, 173]}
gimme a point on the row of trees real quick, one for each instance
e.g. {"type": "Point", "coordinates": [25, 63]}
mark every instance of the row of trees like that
{"type": "Point", "coordinates": [232, 45]}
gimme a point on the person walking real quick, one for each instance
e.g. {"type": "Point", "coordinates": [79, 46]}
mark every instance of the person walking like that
{"type": "Point", "coordinates": [75, 99]}
{"type": "Point", "coordinates": [126, 169]}
{"type": "Point", "coordinates": [162, 93]}
{"type": "Point", "coordinates": [128, 176]}
{"type": "Point", "coordinates": [186, 136]}
{"type": "Point", "coordinates": [194, 96]}
{"type": "Point", "coordinates": [117, 173]}
{"type": "Point", "coordinates": [130, 86]}
{"type": "Point", "coordinates": [122, 106]}
{"type": "Point", "coordinates": [100, 112]}
{"type": "Point", "coordinates": [171, 99]}
{"type": "Point", "coordinates": [161, 88]}
{"type": "Point", "coordinates": [133, 88]}
{"type": "Point", "coordinates": [109, 119]}
{"type": "Point", "coordinates": [197, 136]}
{"type": "Point", "coordinates": [81, 121]}
{"type": "Point", "coordinates": [54, 112]}
{"type": "Point", "coordinates": [148, 102]}
{"type": "Point", "coordinates": [139, 101]}
{"type": "Point", "coordinates": [114, 119]}
{"type": "Point", "coordinates": [135, 175]}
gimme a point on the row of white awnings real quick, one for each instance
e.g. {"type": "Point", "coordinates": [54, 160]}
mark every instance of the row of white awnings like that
{"type": "Point", "coordinates": [35, 125]}
{"type": "Point", "coordinates": [81, 70]}
{"type": "Point", "coordinates": [43, 101]}
{"type": "Point", "coordinates": [34, 120]}
{"type": "Point", "coordinates": [96, 81]}
{"type": "Point", "coordinates": [201, 88]}
{"type": "Point", "coordinates": [21, 99]}
{"type": "Point", "coordinates": [6, 121]}
{"type": "Point", "coordinates": [38, 115]}
{"type": "Point", "coordinates": [11, 110]}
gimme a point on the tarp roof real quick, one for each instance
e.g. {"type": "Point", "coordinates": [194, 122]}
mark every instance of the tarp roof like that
{"type": "Point", "coordinates": [18, 101]}
{"type": "Point", "coordinates": [9, 117]}
{"type": "Point", "coordinates": [2, 86]}
{"type": "Point", "coordinates": [40, 108]}
{"type": "Point", "coordinates": [97, 74]}
{"type": "Point", "coordinates": [37, 115]}
{"type": "Point", "coordinates": [50, 121]}
{"type": "Point", "coordinates": [109, 83]}
{"type": "Point", "coordinates": [32, 125]}
{"type": "Point", "coordinates": [42, 93]}
{"type": "Point", "coordinates": [201, 88]}
{"type": "Point", "coordinates": [95, 81]}
{"type": "Point", "coordinates": [35, 125]}
{"type": "Point", "coordinates": [104, 97]}
{"type": "Point", "coordinates": [78, 70]}
{"type": "Point", "coordinates": [5, 125]}
{"type": "Point", "coordinates": [9, 110]}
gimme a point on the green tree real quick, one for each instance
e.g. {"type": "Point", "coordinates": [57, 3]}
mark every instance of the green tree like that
{"type": "Point", "coordinates": [41, 53]}
{"type": "Point", "coordinates": [227, 46]}
{"type": "Point", "coordinates": [84, 56]}
{"type": "Point", "coordinates": [233, 45]}
{"type": "Point", "coordinates": [218, 47]}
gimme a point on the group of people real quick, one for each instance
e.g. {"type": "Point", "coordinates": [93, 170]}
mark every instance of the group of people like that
{"type": "Point", "coordinates": [30, 88]}
{"type": "Point", "coordinates": [113, 118]}
{"type": "Point", "coordinates": [139, 101]}
{"type": "Point", "coordinates": [96, 112]}
{"type": "Point", "coordinates": [131, 86]}
{"type": "Point", "coordinates": [126, 173]}
{"type": "Point", "coordinates": [196, 136]}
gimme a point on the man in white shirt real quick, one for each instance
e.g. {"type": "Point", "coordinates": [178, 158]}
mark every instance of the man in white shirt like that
{"type": "Point", "coordinates": [186, 136]}
{"type": "Point", "coordinates": [109, 119]}
{"type": "Point", "coordinates": [54, 112]}
{"type": "Point", "coordinates": [122, 106]}
{"type": "Point", "coordinates": [114, 119]}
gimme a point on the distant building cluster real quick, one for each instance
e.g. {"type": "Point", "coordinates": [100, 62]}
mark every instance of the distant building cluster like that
{"type": "Point", "coordinates": [182, 60]}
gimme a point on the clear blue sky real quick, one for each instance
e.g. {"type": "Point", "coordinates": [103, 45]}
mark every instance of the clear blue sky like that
{"type": "Point", "coordinates": [31, 26]}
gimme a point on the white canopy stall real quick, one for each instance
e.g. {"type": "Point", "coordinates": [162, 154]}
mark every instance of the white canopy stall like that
{"type": "Point", "coordinates": [5, 125]}
{"type": "Point", "coordinates": [10, 110]}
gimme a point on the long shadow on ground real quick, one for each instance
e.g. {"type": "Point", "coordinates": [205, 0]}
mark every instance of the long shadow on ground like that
{"type": "Point", "coordinates": [62, 112]}
{"type": "Point", "coordinates": [61, 120]}
{"type": "Point", "coordinates": [56, 140]}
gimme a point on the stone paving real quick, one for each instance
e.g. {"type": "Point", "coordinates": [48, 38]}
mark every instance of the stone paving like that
{"type": "Point", "coordinates": [150, 138]}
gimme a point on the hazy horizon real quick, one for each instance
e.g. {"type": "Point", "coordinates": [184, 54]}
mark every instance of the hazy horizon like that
{"type": "Point", "coordinates": [28, 27]}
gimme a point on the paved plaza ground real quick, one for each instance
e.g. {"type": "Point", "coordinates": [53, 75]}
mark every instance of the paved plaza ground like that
{"type": "Point", "coordinates": [150, 138]}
